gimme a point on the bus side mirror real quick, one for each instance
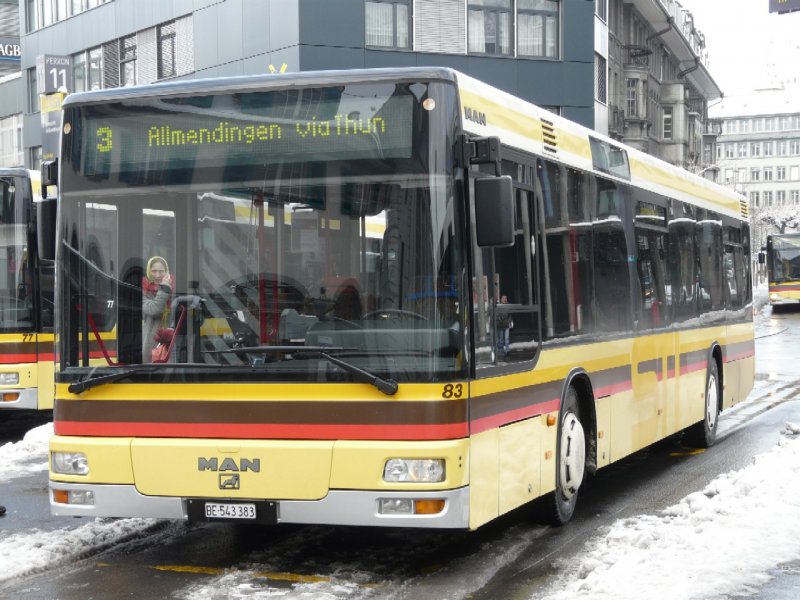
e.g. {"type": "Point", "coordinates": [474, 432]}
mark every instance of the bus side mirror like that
{"type": "Point", "coordinates": [46, 211]}
{"type": "Point", "coordinates": [494, 211]}
{"type": "Point", "coordinates": [49, 175]}
{"type": "Point", "coordinates": [762, 258]}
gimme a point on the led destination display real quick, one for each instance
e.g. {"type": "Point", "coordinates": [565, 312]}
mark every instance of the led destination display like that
{"type": "Point", "coordinates": [248, 129]}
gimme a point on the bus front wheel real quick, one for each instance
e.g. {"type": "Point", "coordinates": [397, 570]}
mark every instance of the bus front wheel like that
{"type": "Point", "coordinates": [571, 461]}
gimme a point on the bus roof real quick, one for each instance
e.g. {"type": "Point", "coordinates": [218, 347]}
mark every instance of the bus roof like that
{"type": "Point", "coordinates": [492, 112]}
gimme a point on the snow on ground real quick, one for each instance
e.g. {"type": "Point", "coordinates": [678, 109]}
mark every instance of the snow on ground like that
{"type": "Point", "coordinates": [25, 457]}
{"type": "Point", "coordinates": [721, 540]}
{"type": "Point", "coordinates": [34, 550]}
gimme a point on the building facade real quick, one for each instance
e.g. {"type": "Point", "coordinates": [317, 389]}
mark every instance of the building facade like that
{"type": "Point", "coordinates": [11, 154]}
{"type": "Point", "coordinates": [758, 152]}
{"type": "Point", "coordinates": [571, 56]}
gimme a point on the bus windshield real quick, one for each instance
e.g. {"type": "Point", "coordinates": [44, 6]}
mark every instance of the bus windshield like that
{"type": "Point", "coordinates": [786, 258]}
{"type": "Point", "coordinates": [16, 293]}
{"type": "Point", "coordinates": [255, 235]}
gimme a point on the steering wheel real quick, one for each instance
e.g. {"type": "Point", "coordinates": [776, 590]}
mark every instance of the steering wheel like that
{"type": "Point", "coordinates": [397, 313]}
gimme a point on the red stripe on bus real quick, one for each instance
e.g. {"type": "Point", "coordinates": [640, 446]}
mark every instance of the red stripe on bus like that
{"type": "Point", "coordinates": [693, 367]}
{"type": "Point", "coordinates": [263, 431]}
{"type": "Point", "coordinates": [518, 414]}
{"type": "Point", "coordinates": [10, 359]}
{"type": "Point", "coordinates": [614, 388]}
{"type": "Point", "coordinates": [784, 288]}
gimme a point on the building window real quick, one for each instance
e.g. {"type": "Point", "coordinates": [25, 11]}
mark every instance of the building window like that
{"type": "Point", "coordinates": [795, 196]}
{"type": "Point", "coordinates": [633, 94]}
{"type": "Point", "coordinates": [600, 78]}
{"type": "Point", "coordinates": [729, 150]}
{"type": "Point", "coordinates": [743, 150]}
{"type": "Point", "coordinates": [780, 197]}
{"type": "Point", "coordinates": [768, 148]}
{"type": "Point", "coordinates": [79, 72]}
{"type": "Point", "coordinates": [537, 28]}
{"type": "Point", "coordinates": [35, 158]}
{"type": "Point", "coordinates": [767, 198]}
{"type": "Point", "coordinates": [11, 141]}
{"type": "Point", "coordinates": [755, 174]}
{"type": "Point", "coordinates": [667, 121]}
{"type": "Point", "coordinates": [782, 148]}
{"type": "Point", "coordinates": [489, 23]}
{"type": "Point", "coordinates": [94, 71]}
{"type": "Point", "coordinates": [166, 50]}
{"type": "Point", "coordinates": [601, 9]}
{"type": "Point", "coordinates": [755, 149]}
{"type": "Point", "coordinates": [794, 147]}
{"type": "Point", "coordinates": [767, 173]}
{"type": "Point", "coordinates": [127, 61]}
{"type": "Point", "coordinates": [794, 173]}
{"type": "Point", "coordinates": [754, 199]}
{"type": "Point", "coordinates": [780, 173]}
{"type": "Point", "coordinates": [388, 23]}
{"type": "Point", "coordinates": [33, 91]}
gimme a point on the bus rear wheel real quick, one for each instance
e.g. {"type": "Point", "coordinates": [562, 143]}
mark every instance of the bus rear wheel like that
{"type": "Point", "coordinates": [704, 433]}
{"type": "Point", "coordinates": [571, 461]}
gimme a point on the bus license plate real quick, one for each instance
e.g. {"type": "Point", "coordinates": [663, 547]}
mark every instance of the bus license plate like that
{"type": "Point", "coordinates": [258, 511]}
{"type": "Point", "coordinates": [219, 510]}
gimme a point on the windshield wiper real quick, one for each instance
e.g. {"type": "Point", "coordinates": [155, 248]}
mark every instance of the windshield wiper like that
{"type": "Point", "coordinates": [91, 382]}
{"type": "Point", "coordinates": [387, 386]}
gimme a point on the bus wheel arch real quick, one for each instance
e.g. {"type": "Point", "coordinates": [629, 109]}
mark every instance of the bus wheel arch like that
{"type": "Point", "coordinates": [703, 434]}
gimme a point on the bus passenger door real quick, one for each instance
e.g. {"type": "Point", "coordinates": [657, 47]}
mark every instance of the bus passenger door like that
{"type": "Point", "coordinates": [654, 344]}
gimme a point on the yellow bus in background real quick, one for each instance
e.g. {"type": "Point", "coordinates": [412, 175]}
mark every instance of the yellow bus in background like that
{"type": "Point", "coordinates": [402, 298]}
{"type": "Point", "coordinates": [783, 268]}
{"type": "Point", "coordinates": [26, 298]}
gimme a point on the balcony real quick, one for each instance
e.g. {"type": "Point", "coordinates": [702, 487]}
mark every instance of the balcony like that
{"type": "Point", "coordinates": [637, 56]}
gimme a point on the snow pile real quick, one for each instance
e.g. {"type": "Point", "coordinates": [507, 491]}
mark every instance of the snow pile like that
{"type": "Point", "coordinates": [25, 457]}
{"type": "Point", "coordinates": [722, 540]}
{"type": "Point", "coordinates": [33, 550]}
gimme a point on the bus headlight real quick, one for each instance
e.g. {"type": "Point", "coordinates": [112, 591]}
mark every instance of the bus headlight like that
{"type": "Point", "coordinates": [70, 463]}
{"type": "Point", "coordinates": [414, 470]}
{"type": "Point", "coordinates": [9, 378]}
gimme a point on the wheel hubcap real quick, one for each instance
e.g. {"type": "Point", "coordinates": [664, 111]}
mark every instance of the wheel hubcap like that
{"type": "Point", "coordinates": [712, 402]}
{"type": "Point", "coordinates": [572, 459]}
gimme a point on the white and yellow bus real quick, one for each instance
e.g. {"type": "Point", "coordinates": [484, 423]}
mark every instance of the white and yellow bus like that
{"type": "Point", "coordinates": [26, 298]}
{"type": "Point", "coordinates": [783, 268]}
{"type": "Point", "coordinates": [361, 368]}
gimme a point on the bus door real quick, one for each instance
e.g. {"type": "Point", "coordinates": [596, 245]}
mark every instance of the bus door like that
{"type": "Point", "coordinates": [654, 348]}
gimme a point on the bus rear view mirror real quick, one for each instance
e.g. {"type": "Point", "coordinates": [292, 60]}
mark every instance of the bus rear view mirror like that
{"type": "Point", "coordinates": [494, 211]}
{"type": "Point", "coordinates": [46, 227]}
{"type": "Point", "coordinates": [49, 173]}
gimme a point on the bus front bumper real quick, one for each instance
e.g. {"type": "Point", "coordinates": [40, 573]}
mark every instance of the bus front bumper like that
{"type": "Point", "coordinates": [338, 507]}
{"type": "Point", "coordinates": [19, 398]}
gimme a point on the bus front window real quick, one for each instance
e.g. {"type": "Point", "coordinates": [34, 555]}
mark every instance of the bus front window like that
{"type": "Point", "coordinates": [296, 226]}
{"type": "Point", "coordinates": [16, 302]}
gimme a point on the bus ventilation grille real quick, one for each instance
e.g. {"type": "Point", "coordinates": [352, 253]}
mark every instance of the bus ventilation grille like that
{"type": "Point", "coordinates": [745, 208]}
{"type": "Point", "coordinates": [549, 138]}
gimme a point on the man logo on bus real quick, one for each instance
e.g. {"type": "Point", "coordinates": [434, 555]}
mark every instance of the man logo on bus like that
{"type": "Point", "coordinates": [229, 481]}
{"type": "Point", "coordinates": [474, 115]}
{"type": "Point", "coordinates": [229, 464]}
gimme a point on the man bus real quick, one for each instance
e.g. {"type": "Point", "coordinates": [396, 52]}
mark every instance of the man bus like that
{"type": "Point", "coordinates": [332, 357]}
{"type": "Point", "coordinates": [26, 298]}
{"type": "Point", "coordinates": [783, 268]}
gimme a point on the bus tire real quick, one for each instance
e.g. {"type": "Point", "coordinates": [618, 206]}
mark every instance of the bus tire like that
{"type": "Point", "coordinates": [704, 433]}
{"type": "Point", "coordinates": [570, 461]}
